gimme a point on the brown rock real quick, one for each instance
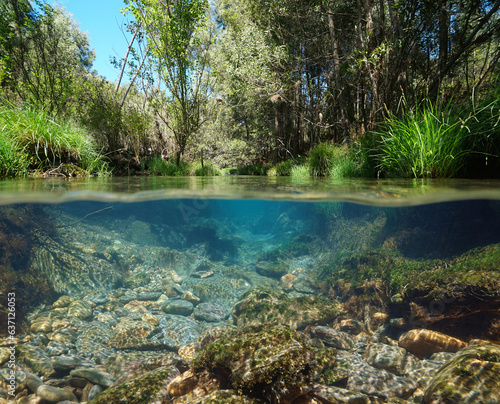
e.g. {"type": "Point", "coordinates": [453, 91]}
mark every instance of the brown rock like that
{"type": "Point", "coordinates": [182, 384]}
{"type": "Point", "coordinates": [287, 281]}
{"type": "Point", "coordinates": [422, 342]}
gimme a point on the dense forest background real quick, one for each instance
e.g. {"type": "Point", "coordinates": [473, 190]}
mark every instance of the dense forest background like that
{"type": "Point", "coordinates": [235, 82]}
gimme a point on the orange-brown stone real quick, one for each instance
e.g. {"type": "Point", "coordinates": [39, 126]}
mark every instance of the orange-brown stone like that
{"type": "Point", "coordinates": [422, 342]}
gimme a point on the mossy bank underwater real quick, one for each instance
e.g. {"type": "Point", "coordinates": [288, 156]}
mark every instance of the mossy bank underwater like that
{"type": "Point", "coordinates": [209, 300]}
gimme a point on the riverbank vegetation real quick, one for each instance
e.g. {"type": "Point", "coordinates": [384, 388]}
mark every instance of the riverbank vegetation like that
{"type": "Point", "coordinates": [321, 88]}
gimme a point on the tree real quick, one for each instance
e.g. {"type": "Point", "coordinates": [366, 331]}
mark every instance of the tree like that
{"type": "Point", "coordinates": [51, 52]}
{"type": "Point", "coordinates": [178, 37]}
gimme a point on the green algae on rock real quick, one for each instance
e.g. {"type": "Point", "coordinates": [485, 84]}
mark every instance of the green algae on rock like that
{"type": "Point", "coordinates": [269, 307]}
{"type": "Point", "coordinates": [271, 363]}
{"type": "Point", "coordinates": [144, 389]}
{"type": "Point", "coordinates": [473, 375]}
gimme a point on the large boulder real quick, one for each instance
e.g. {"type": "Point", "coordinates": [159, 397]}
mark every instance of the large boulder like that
{"type": "Point", "coordinates": [472, 376]}
{"type": "Point", "coordinates": [269, 307]}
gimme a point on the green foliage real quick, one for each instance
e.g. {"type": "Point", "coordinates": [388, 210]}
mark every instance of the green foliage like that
{"type": "Point", "coordinates": [321, 159]}
{"type": "Point", "coordinates": [300, 171]}
{"type": "Point", "coordinates": [208, 169]}
{"type": "Point", "coordinates": [13, 161]}
{"type": "Point", "coordinates": [284, 168]}
{"type": "Point", "coordinates": [158, 166]}
{"type": "Point", "coordinates": [253, 169]}
{"type": "Point", "coordinates": [43, 142]}
{"type": "Point", "coordinates": [428, 142]}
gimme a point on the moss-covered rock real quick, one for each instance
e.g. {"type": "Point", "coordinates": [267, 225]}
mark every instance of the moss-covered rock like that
{"type": "Point", "coordinates": [271, 269]}
{"type": "Point", "coordinates": [269, 307]}
{"type": "Point", "coordinates": [148, 388]}
{"type": "Point", "coordinates": [272, 364]}
{"type": "Point", "coordinates": [471, 376]}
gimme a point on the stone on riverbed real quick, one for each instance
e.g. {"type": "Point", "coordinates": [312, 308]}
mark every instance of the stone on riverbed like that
{"type": "Point", "coordinates": [55, 394]}
{"type": "Point", "coordinates": [473, 375]}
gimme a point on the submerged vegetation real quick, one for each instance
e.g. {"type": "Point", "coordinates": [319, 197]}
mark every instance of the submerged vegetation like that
{"type": "Point", "coordinates": [268, 89]}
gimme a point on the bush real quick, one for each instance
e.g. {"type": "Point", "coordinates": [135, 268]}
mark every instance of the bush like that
{"type": "Point", "coordinates": [428, 142]}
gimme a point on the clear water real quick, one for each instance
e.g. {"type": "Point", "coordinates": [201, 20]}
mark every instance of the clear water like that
{"type": "Point", "coordinates": [417, 254]}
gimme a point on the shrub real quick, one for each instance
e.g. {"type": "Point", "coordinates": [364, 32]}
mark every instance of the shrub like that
{"type": "Point", "coordinates": [253, 169]}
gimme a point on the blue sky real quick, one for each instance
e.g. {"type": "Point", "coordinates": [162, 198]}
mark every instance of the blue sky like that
{"type": "Point", "coordinates": [102, 20]}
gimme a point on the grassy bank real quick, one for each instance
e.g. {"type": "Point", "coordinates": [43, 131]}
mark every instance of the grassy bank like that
{"type": "Point", "coordinates": [31, 142]}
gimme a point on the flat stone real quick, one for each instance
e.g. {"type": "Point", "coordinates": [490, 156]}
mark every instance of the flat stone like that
{"type": "Point", "coordinates": [33, 382]}
{"type": "Point", "coordinates": [471, 376]}
{"type": "Point", "coordinates": [94, 376]}
{"type": "Point", "coordinates": [332, 337]}
{"type": "Point", "coordinates": [178, 306]}
{"type": "Point", "coordinates": [423, 342]}
{"type": "Point", "coordinates": [383, 356]}
{"type": "Point", "coordinates": [68, 363]}
{"type": "Point", "coordinates": [210, 312]}
{"type": "Point", "coordinates": [54, 394]}
{"type": "Point", "coordinates": [80, 309]}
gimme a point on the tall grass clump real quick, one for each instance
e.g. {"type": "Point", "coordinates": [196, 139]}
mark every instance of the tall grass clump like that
{"type": "Point", "coordinates": [13, 161]}
{"type": "Point", "coordinates": [428, 142]}
{"type": "Point", "coordinates": [321, 159]}
{"type": "Point", "coordinates": [46, 143]}
{"type": "Point", "coordinates": [300, 171]}
{"type": "Point", "coordinates": [283, 168]}
{"type": "Point", "coordinates": [158, 166]}
{"type": "Point", "coordinates": [207, 170]}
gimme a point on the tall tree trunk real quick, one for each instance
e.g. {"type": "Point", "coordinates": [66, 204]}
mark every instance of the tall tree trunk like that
{"type": "Point", "coordinates": [336, 68]}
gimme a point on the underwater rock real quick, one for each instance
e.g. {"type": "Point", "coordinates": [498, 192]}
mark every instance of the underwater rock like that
{"type": "Point", "coordinates": [129, 334]}
{"type": "Point", "coordinates": [287, 280]}
{"type": "Point", "coordinates": [332, 337]}
{"type": "Point", "coordinates": [210, 312]}
{"type": "Point", "coordinates": [262, 306]}
{"type": "Point", "coordinates": [36, 359]}
{"type": "Point", "coordinates": [271, 269]}
{"type": "Point", "coordinates": [182, 384]}
{"type": "Point", "coordinates": [93, 339]}
{"type": "Point", "coordinates": [369, 380]}
{"type": "Point", "coordinates": [70, 272]}
{"type": "Point", "coordinates": [176, 331]}
{"type": "Point", "coordinates": [150, 319]}
{"type": "Point", "coordinates": [218, 397]}
{"type": "Point", "coordinates": [387, 357]}
{"type": "Point", "coordinates": [339, 395]}
{"type": "Point", "coordinates": [54, 394]}
{"type": "Point", "coordinates": [472, 376]}
{"type": "Point", "coordinates": [68, 363]}
{"type": "Point", "coordinates": [63, 301]}
{"type": "Point", "coordinates": [191, 297]}
{"type": "Point", "coordinates": [41, 324]}
{"type": "Point", "coordinates": [94, 392]}
{"type": "Point", "coordinates": [272, 363]}
{"type": "Point", "coordinates": [33, 381]}
{"type": "Point", "coordinates": [422, 371]}
{"type": "Point", "coordinates": [94, 376]}
{"type": "Point", "coordinates": [178, 306]}
{"type": "Point", "coordinates": [145, 389]}
{"type": "Point", "coordinates": [80, 309]}
{"type": "Point", "coordinates": [351, 326]}
{"type": "Point", "coordinates": [423, 342]}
